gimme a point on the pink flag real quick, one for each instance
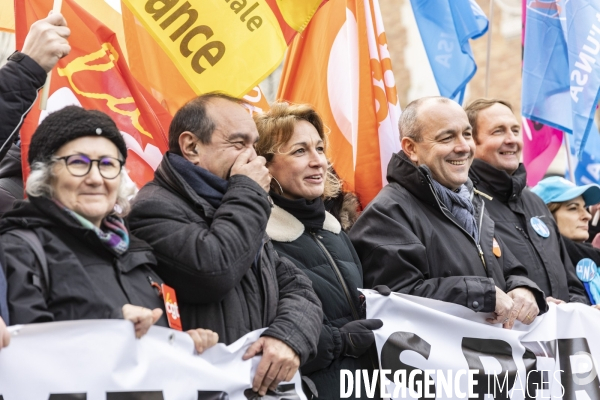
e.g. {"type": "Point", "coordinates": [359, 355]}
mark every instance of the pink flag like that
{"type": "Point", "coordinates": [540, 142]}
{"type": "Point", "coordinates": [540, 145]}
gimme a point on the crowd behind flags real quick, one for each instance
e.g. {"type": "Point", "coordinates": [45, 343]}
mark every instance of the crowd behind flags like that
{"type": "Point", "coordinates": [367, 138]}
{"type": "Point", "coordinates": [340, 64]}
{"type": "Point", "coordinates": [214, 191]}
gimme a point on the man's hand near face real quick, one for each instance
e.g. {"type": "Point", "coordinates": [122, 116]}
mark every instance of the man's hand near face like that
{"type": "Point", "coordinates": [279, 363]}
{"type": "Point", "coordinates": [253, 166]}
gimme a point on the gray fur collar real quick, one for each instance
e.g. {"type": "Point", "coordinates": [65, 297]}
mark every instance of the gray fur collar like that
{"type": "Point", "coordinates": [284, 227]}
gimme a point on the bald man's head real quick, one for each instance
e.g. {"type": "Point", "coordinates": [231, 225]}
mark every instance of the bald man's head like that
{"type": "Point", "coordinates": [410, 124]}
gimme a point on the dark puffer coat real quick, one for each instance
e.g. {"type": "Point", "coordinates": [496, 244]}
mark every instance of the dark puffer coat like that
{"type": "Point", "coordinates": [512, 207]}
{"type": "Point", "coordinates": [406, 239]}
{"type": "Point", "coordinates": [19, 85]}
{"type": "Point", "coordinates": [87, 281]}
{"type": "Point", "coordinates": [20, 82]}
{"type": "Point", "coordinates": [579, 250]}
{"type": "Point", "coordinates": [222, 265]}
{"type": "Point", "coordinates": [11, 179]}
{"type": "Point", "coordinates": [328, 258]}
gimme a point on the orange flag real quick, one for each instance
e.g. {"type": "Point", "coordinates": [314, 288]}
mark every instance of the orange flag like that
{"type": "Point", "coordinates": [258, 104]}
{"type": "Point", "coordinates": [95, 76]}
{"type": "Point", "coordinates": [7, 21]}
{"type": "Point", "coordinates": [341, 65]}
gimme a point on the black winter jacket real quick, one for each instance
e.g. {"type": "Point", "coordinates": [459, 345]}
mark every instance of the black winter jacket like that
{"type": "Point", "coordinates": [406, 239]}
{"type": "Point", "coordinates": [19, 85]}
{"type": "Point", "coordinates": [207, 256]}
{"type": "Point", "coordinates": [578, 251]}
{"type": "Point", "coordinates": [328, 258]}
{"type": "Point", "coordinates": [512, 207]}
{"type": "Point", "coordinates": [87, 281]}
{"type": "Point", "coordinates": [11, 179]}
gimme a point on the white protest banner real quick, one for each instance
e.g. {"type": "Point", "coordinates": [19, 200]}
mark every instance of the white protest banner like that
{"type": "Point", "coordinates": [432, 349]}
{"type": "Point", "coordinates": [102, 360]}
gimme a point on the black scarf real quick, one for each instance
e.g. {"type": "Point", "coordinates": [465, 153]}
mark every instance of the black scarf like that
{"type": "Point", "coordinates": [206, 184]}
{"type": "Point", "coordinates": [310, 212]}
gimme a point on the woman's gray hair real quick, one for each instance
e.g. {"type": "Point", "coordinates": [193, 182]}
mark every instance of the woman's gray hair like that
{"type": "Point", "coordinates": [39, 183]}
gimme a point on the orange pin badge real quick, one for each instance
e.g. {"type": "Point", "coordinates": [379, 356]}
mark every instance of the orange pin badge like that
{"type": "Point", "coordinates": [496, 248]}
{"type": "Point", "coordinates": [171, 307]}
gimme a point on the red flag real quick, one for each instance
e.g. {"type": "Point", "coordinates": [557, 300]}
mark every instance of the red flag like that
{"type": "Point", "coordinates": [95, 75]}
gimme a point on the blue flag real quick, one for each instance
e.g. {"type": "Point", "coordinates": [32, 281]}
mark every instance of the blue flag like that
{"type": "Point", "coordinates": [587, 167]}
{"type": "Point", "coordinates": [446, 27]}
{"type": "Point", "coordinates": [561, 71]}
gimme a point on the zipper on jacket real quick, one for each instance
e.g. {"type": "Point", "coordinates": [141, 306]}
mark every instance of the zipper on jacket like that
{"type": "Point", "coordinates": [523, 232]}
{"type": "Point", "coordinates": [479, 250]}
{"type": "Point", "coordinates": [355, 314]}
{"type": "Point", "coordinates": [344, 287]}
{"type": "Point", "coordinates": [479, 245]}
{"type": "Point", "coordinates": [155, 286]}
{"type": "Point", "coordinates": [481, 257]}
{"type": "Point", "coordinates": [339, 275]}
{"type": "Point", "coordinates": [535, 254]}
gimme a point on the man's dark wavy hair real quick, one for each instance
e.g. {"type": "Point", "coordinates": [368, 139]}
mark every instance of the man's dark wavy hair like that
{"type": "Point", "coordinates": [193, 117]}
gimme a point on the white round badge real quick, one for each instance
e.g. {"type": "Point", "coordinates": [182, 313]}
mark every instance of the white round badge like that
{"type": "Point", "coordinates": [540, 227]}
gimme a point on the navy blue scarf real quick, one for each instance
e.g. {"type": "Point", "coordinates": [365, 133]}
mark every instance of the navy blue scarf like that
{"type": "Point", "coordinates": [459, 205]}
{"type": "Point", "coordinates": [206, 184]}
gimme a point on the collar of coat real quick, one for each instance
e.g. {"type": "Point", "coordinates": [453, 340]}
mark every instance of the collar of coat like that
{"type": "Point", "coordinates": [284, 227]}
{"type": "Point", "coordinates": [416, 180]}
{"type": "Point", "coordinates": [500, 184]}
{"type": "Point", "coordinates": [166, 176]}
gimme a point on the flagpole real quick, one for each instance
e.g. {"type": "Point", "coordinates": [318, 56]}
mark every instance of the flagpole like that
{"type": "Point", "coordinates": [569, 158]}
{"type": "Point", "coordinates": [46, 90]}
{"type": "Point", "coordinates": [489, 49]}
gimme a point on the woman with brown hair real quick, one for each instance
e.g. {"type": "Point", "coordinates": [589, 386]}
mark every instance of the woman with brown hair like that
{"type": "Point", "coordinates": [293, 141]}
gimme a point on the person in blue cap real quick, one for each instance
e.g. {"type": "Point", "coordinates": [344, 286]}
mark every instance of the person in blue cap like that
{"type": "Point", "coordinates": [568, 204]}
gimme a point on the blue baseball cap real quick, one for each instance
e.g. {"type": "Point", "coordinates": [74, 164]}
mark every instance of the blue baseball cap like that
{"type": "Point", "coordinates": [556, 190]}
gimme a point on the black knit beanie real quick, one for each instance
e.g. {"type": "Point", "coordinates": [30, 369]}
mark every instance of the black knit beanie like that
{"type": "Point", "coordinates": [68, 124]}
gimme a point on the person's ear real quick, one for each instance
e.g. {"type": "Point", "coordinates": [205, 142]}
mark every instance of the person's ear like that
{"type": "Point", "coordinates": [188, 143]}
{"type": "Point", "coordinates": [409, 146]}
